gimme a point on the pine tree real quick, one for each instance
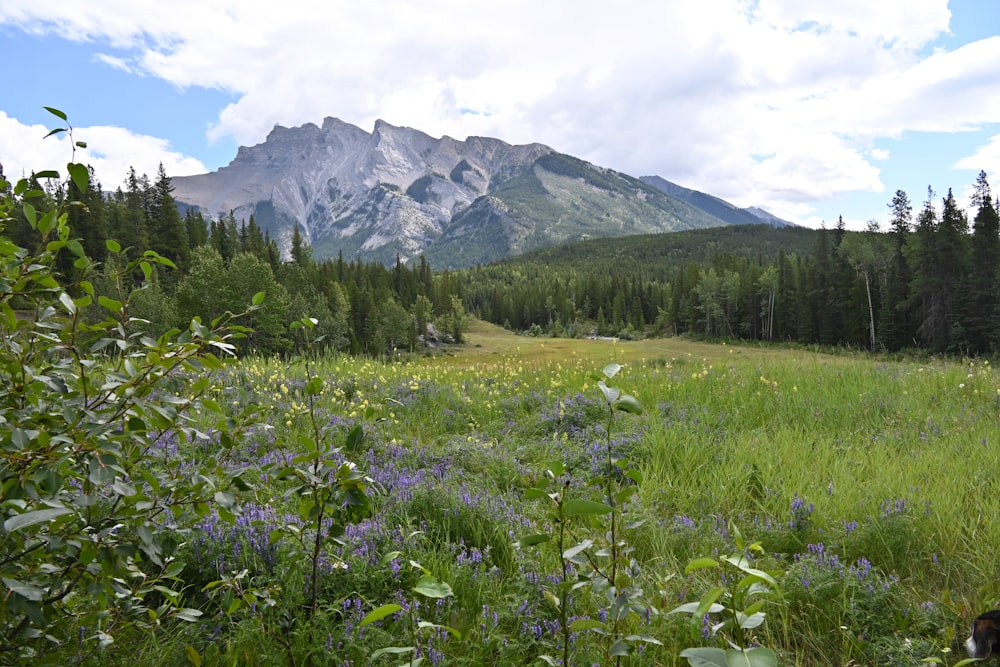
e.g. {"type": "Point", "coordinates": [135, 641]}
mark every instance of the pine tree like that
{"type": "Point", "coordinates": [982, 315]}
{"type": "Point", "coordinates": [895, 331]}
{"type": "Point", "coordinates": [168, 234]}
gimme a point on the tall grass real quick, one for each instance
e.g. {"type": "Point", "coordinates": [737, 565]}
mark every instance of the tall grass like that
{"type": "Point", "coordinates": [870, 484]}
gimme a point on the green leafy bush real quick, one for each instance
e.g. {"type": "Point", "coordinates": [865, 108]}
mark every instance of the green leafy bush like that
{"type": "Point", "coordinates": [95, 417]}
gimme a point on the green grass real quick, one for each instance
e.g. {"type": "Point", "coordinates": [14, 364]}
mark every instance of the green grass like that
{"type": "Point", "coordinates": [870, 484]}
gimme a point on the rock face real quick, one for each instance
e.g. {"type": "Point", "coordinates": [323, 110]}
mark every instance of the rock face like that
{"type": "Point", "coordinates": [399, 192]}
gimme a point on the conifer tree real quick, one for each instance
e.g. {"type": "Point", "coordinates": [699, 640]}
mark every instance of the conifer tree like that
{"type": "Point", "coordinates": [982, 315]}
{"type": "Point", "coordinates": [168, 234]}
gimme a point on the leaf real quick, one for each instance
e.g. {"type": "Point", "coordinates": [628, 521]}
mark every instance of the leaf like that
{"type": "Point", "coordinates": [109, 303]}
{"type": "Point", "coordinates": [113, 246]}
{"type": "Point", "coordinates": [610, 393]}
{"type": "Point", "coordinates": [692, 607]}
{"type": "Point", "coordinates": [67, 301]}
{"type": "Point", "coordinates": [258, 298]}
{"type": "Point", "coordinates": [391, 650]}
{"type": "Point", "coordinates": [27, 591]}
{"type": "Point", "coordinates": [79, 174]}
{"type": "Point", "coordinates": [612, 370]}
{"type": "Point", "coordinates": [57, 113]}
{"type": "Point", "coordinates": [621, 649]}
{"type": "Point", "coordinates": [532, 540]}
{"type": "Point", "coordinates": [188, 614]}
{"type": "Point", "coordinates": [628, 403]}
{"type": "Point", "coordinates": [578, 507]}
{"type": "Point", "coordinates": [380, 613]}
{"type": "Point", "coordinates": [355, 438]}
{"type": "Point", "coordinates": [755, 657]}
{"type": "Point", "coordinates": [571, 553]}
{"type": "Point", "coordinates": [426, 625]}
{"type": "Point", "coordinates": [20, 521]}
{"type": "Point", "coordinates": [705, 656]}
{"type": "Point", "coordinates": [699, 564]}
{"type": "Point", "coordinates": [430, 587]}
{"type": "Point", "coordinates": [584, 624]}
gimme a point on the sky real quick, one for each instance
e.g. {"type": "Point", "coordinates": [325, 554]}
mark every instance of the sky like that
{"type": "Point", "coordinates": [810, 109]}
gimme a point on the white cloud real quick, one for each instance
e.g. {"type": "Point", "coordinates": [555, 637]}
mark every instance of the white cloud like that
{"type": "Point", "coordinates": [693, 90]}
{"type": "Point", "coordinates": [110, 151]}
{"type": "Point", "coordinates": [986, 158]}
{"type": "Point", "coordinates": [115, 62]}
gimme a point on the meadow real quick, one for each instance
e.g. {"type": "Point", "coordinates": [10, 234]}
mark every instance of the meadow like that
{"type": "Point", "coordinates": [864, 488]}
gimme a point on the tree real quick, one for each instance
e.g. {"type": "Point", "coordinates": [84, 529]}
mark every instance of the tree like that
{"type": "Point", "coordinates": [953, 265]}
{"type": "Point", "coordinates": [301, 253]}
{"type": "Point", "coordinates": [982, 315]}
{"type": "Point", "coordinates": [868, 256]}
{"type": "Point", "coordinates": [168, 234]}
{"type": "Point", "coordinates": [895, 330]}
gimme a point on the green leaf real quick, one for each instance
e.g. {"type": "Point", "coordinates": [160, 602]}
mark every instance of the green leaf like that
{"type": "Point", "coordinates": [705, 656]}
{"type": "Point", "coordinates": [110, 304]}
{"type": "Point", "coordinates": [430, 587]}
{"type": "Point", "coordinates": [258, 298]}
{"type": "Point", "coordinates": [355, 438]}
{"type": "Point", "coordinates": [610, 393]}
{"type": "Point", "coordinates": [699, 564]}
{"type": "Point", "coordinates": [621, 649]}
{"type": "Point", "coordinates": [572, 552]}
{"type": "Point", "coordinates": [27, 591]}
{"type": "Point", "coordinates": [612, 370]}
{"type": "Point", "coordinates": [755, 657]}
{"type": "Point", "coordinates": [694, 607]}
{"type": "Point", "coordinates": [79, 174]}
{"type": "Point", "coordinates": [391, 650]}
{"type": "Point", "coordinates": [534, 493]}
{"type": "Point", "coordinates": [67, 301]}
{"type": "Point", "coordinates": [113, 246]}
{"type": "Point", "coordinates": [189, 615]}
{"type": "Point", "coordinates": [426, 625]}
{"type": "Point", "coordinates": [584, 624]}
{"type": "Point", "coordinates": [19, 521]}
{"type": "Point", "coordinates": [380, 613]}
{"type": "Point", "coordinates": [628, 403]}
{"type": "Point", "coordinates": [57, 113]}
{"type": "Point", "coordinates": [578, 507]}
{"type": "Point", "coordinates": [532, 540]}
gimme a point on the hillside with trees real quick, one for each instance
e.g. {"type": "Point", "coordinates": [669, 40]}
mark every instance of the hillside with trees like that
{"type": "Point", "coordinates": [928, 281]}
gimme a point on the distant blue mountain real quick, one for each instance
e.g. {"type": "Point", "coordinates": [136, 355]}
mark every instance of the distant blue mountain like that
{"type": "Point", "coordinates": [714, 206]}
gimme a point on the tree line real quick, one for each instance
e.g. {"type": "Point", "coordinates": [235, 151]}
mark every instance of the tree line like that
{"type": "Point", "coordinates": [928, 281]}
{"type": "Point", "coordinates": [362, 308]}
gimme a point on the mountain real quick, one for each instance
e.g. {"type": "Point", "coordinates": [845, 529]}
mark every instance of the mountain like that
{"type": "Point", "coordinates": [399, 192]}
{"type": "Point", "coordinates": [721, 209]}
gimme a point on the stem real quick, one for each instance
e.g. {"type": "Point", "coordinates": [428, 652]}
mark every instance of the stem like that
{"type": "Point", "coordinates": [614, 514]}
{"type": "Point", "coordinates": [564, 596]}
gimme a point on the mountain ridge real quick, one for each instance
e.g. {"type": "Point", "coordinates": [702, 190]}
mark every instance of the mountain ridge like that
{"type": "Point", "coordinates": [398, 192]}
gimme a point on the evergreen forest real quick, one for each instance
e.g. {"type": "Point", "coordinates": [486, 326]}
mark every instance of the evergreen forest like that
{"type": "Point", "coordinates": [928, 281]}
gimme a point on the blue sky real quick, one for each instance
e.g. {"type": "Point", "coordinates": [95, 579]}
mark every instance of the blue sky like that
{"type": "Point", "coordinates": [811, 109]}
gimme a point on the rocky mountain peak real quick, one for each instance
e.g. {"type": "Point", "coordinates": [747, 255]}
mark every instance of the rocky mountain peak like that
{"type": "Point", "coordinates": [399, 191]}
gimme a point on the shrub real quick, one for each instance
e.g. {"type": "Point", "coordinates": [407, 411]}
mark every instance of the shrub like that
{"type": "Point", "coordinates": [96, 499]}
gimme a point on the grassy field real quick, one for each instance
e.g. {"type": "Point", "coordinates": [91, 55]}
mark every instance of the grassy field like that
{"type": "Point", "coordinates": [869, 485]}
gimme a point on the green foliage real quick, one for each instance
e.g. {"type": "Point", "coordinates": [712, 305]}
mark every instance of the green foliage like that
{"type": "Point", "coordinates": [601, 558]}
{"type": "Point", "coordinates": [93, 413]}
{"type": "Point", "coordinates": [739, 601]}
{"type": "Point", "coordinates": [332, 492]}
